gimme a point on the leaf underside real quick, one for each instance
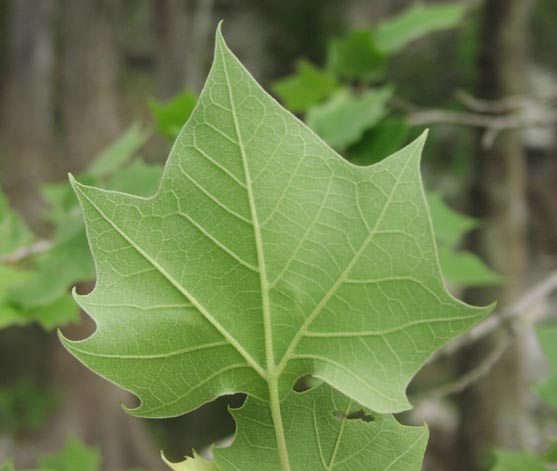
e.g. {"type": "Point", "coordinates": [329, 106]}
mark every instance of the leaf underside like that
{"type": "Point", "coordinates": [263, 257]}
{"type": "Point", "coordinates": [262, 254]}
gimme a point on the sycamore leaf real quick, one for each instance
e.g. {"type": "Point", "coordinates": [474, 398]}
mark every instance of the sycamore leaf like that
{"type": "Point", "coordinates": [547, 336]}
{"type": "Point", "coordinates": [506, 460]}
{"type": "Point", "coordinates": [74, 456]}
{"type": "Point", "coordinates": [343, 119]}
{"type": "Point", "coordinates": [264, 256]}
{"type": "Point", "coordinates": [328, 431]}
{"type": "Point", "coordinates": [195, 463]}
{"type": "Point", "coordinates": [307, 87]}
{"type": "Point", "coordinates": [414, 23]}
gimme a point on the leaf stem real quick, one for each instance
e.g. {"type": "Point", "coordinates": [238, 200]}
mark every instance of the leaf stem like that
{"type": "Point", "coordinates": [277, 421]}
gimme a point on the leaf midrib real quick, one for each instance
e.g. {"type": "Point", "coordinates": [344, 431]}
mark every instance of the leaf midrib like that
{"type": "Point", "coordinates": [263, 281]}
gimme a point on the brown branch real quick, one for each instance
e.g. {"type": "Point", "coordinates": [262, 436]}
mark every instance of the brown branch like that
{"type": "Point", "coordinates": [524, 310]}
{"type": "Point", "coordinates": [470, 377]}
{"type": "Point", "coordinates": [509, 317]}
{"type": "Point", "coordinates": [24, 252]}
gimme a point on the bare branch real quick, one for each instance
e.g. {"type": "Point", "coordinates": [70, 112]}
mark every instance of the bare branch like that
{"type": "Point", "coordinates": [509, 317]}
{"type": "Point", "coordinates": [24, 252]}
{"type": "Point", "coordinates": [470, 377]}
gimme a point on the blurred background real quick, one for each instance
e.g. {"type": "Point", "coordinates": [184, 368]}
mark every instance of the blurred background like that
{"type": "Point", "coordinates": [100, 88]}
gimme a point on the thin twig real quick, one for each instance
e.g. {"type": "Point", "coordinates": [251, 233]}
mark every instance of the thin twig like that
{"type": "Point", "coordinates": [508, 321]}
{"type": "Point", "coordinates": [24, 252]}
{"type": "Point", "coordinates": [471, 376]}
{"type": "Point", "coordinates": [506, 317]}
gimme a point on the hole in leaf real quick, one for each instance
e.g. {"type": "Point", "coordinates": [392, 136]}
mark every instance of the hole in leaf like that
{"type": "Point", "coordinates": [307, 382]}
{"type": "Point", "coordinates": [356, 415]}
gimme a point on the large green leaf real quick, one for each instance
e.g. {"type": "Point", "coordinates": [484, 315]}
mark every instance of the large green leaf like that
{"type": "Point", "coordinates": [307, 87]}
{"type": "Point", "coordinates": [327, 431]}
{"type": "Point", "coordinates": [264, 256]}
{"type": "Point", "coordinates": [343, 119]}
{"type": "Point", "coordinates": [417, 21]}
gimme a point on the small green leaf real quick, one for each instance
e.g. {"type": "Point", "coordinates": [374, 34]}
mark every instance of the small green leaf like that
{"type": "Point", "coordinates": [357, 57]}
{"type": "Point", "coordinates": [139, 178]}
{"type": "Point", "coordinates": [327, 431]}
{"type": "Point", "coordinates": [171, 116]}
{"type": "Point", "coordinates": [195, 463]}
{"type": "Point", "coordinates": [465, 268]}
{"type": "Point", "coordinates": [342, 120]}
{"type": "Point", "coordinates": [74, 456]}
{"type": "Point", "coordinates": [547, 336]}
{"type": "Point", "coordinates": [13, 230]}
{"type": "Point", "coordinates": [416, 22]}
{"type": "Point", "coordinates": [380, 141]}
{"type": "Point", "coordinates": [307, 87]}
{"type": "Point", "coordinates": [518, 461]}
{"type": "Point", "coordinates": [450, 225]}
{"type": "Point", "coordinates": [118, 153]}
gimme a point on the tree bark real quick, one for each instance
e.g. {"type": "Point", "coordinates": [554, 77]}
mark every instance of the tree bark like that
{"type": "Point", "coordinates": [27, 104]}
{"type": "Point", "coordinates": [89, 93]}
{"type": "Point", "coordinates": [493, 411]}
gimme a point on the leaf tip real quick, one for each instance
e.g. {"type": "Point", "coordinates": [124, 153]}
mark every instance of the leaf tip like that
{"type": "Point", "coordinates": [219, 40]}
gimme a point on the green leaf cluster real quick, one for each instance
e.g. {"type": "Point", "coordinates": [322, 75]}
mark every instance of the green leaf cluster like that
{"type": "Point", "coordinates": [36, 289]}
{"type": "Point", "coordinates": [263, 257]}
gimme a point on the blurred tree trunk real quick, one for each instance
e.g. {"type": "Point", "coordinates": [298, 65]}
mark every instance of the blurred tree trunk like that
{"type": "Point", "coordinates": [90, 62]}
{"type": "Point", "coordinates": [28, 103]}
{"type": "Point", "coordinates": [493, 411]}
{"type": "Point", "coordinates": [184, 29]}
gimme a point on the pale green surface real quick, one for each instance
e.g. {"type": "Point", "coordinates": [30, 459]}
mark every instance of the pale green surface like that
{"type": "Point", "coordinates": [343, 119]}
{"type": "Point", "coordinates": [307, 87]}
{"type": "Point", "coordinates": [264, 256]}
{"type": "Point", "coordinates": [416, 22]}
{"type": "Point", "coordinates": [518, 461]}
{"type": "Point", "coordinates": [195, 463]}
{"type": "Point", "coordinates": [75, 456]}
{"type": "Point", "coordinates": [547, 336]}
{"type": "Point", "coordinates": [320, 439]}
